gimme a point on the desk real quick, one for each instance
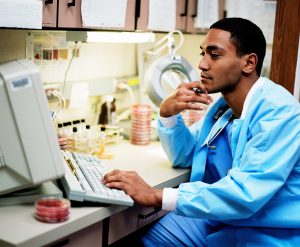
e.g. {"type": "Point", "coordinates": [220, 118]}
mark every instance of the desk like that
{"type": "Point", "coordinates": [18, 227]}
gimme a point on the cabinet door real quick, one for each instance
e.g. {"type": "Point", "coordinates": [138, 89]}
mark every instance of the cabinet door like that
{"type": "Point", "coordinates": [130, 220]}
{"type": "Point", "coordinates": [49, 13]}
{"type": "Point", "coordinates": [90, 236]}
{"type": "Point", "coordinates": [129, 18]}
{"type": "Point", "coordinates": [181, 15]}
{"type": "Point", "coordinates": [192, 14]}
{"type": "Point", "coordinates": [69, 14]}
{"type": "Point", "coordinates": [130, 15]}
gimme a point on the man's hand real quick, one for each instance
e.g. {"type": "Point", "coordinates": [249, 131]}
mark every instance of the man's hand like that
{"type": "Point", "coordinates": [63, 142]}
{"type": "Point", "coordinates": [186, 96]}
{"type": "Point", "coordinates": [134, 186]}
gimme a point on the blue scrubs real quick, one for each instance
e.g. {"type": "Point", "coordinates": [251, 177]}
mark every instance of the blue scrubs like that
{"type": "Point", "coordinates": [256, 202]}
{"type": "Point", "coordinates": [175, 230]}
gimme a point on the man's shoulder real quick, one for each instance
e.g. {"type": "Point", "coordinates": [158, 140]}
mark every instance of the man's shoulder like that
{"type": "Point", "coordinates": [272, 95]}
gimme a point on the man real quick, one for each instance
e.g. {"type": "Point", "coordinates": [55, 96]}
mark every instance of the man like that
{"type": "Point", "coordinates": [244, 188]}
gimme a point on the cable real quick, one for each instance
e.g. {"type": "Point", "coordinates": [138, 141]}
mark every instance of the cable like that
{"type": "Point", "coordinates": [123, 85]}
{"type": "Point", "coordinates": [181, 40]}
{"type": "Point", "coordinates": [126, 113]}
{"type": "Point", "coordinates": [61, 98]}
{"type": "Point", "coordinates": [65, 78]}
{"type": "Point", "coordinates": [159, 46]}
{"type": "Point", "coordinates": [56, 110]}
{"type": "Point", "coordinates": [61, 102]}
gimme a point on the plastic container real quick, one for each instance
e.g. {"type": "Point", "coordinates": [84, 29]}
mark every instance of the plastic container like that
{"type": "Point", "coordinates": [141, 116]}
{"type": "Point", "coordinates": [52, 209]}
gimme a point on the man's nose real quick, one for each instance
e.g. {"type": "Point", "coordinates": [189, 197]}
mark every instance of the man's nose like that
{"type": "Point", "coordinates": [203, 65]}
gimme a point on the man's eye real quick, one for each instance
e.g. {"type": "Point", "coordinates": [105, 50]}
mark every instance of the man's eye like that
{"type": "Point", "coordinates": [214, 55]}
{"type": "Point", "coordinates": [202, 54]}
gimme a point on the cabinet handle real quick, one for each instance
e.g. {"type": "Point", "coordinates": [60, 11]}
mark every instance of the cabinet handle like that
{"type": "Point", "coordinates": [145, 216]}
{"type": "Point", "coordinates": [196, 7]}
{"type": "Point", "coordinates": [137, 8]}
{"type": "Point", "coordinates": [72, 4]}
{"type": "Point", "coordinates": [185, 9]}
{"type": "Point", "coordinates": [48, 2]}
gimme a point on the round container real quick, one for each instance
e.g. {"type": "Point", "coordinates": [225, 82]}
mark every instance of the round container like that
{"type": "Point", "coordinates": [52, 209]}
{"type": "Point", "coordinates": [191, 116]}
{"type": "Point", "coordinates": [141, 116]}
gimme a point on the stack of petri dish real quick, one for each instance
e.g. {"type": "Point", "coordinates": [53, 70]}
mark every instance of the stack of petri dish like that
{"type": "Point", "coordinates": [141, 116]}
{"type": "Point", "coordinates": [52, 209]}
{"type": "Point", "coordinates": [191, 116]}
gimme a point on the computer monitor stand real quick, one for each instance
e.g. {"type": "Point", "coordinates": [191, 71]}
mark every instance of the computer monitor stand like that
{"type": "Point", "coordinates": [47, 189]}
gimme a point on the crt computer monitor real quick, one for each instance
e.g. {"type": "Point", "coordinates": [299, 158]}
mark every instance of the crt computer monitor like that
{"type": "Point", "coordinates": [29, 149]}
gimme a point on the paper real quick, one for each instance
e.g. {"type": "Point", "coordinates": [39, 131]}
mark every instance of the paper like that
{"type": "Point", "coordinates": [103, 13]}
{"type": "Point", "coordinates": [261, 12]}
{"type": "Point", "coordinates": [79, 95]}
{"type": "Point", "coordinates": [207, 13]}
{"type": "Point", "coordinates": [44, 47]}
{"type": "Point", "coordinates": [267, 20]}
{"type": "Point", "coordinates": [21, 14]}
{"type": "Point", "coordinates": [162, 15]}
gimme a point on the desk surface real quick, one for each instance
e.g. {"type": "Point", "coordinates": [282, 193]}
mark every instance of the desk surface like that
{"type": "Point", "coordinates": [20, 228]}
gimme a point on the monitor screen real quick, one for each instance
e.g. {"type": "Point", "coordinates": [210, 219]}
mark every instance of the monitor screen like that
{"type": "Point", "coordinates": [29, 149]}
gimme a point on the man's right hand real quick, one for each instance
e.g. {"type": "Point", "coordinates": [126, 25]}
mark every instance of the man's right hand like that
{"type": "Point", "coordinates": [184, 97]}
{"type": "Point", "coordinates": [63, 142]}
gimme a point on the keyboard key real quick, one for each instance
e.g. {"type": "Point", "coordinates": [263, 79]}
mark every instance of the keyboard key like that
{"type": "Point", "coordinates": [89, 172]}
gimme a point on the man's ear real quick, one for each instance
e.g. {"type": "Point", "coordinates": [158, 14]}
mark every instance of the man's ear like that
{"type": "Point", "coordinates": [250, 63]}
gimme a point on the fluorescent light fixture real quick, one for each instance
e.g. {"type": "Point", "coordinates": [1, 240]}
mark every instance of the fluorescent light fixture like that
{"type": "Point", "coordinates": [110, 37]}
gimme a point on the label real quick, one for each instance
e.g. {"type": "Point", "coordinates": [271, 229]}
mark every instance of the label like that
{"type": "Point", "coordinates": [22, 83]}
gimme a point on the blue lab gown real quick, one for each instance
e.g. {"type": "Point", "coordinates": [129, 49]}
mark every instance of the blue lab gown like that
{"type": "Point", "coordinates": [261, 189]}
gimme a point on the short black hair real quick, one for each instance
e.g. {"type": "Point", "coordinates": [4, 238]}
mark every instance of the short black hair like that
{"type": "Point", "coordinates": [246, 36]}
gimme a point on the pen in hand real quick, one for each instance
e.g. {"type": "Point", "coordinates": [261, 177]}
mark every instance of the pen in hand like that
{"type": "Point", "coordinates": [198, 91]}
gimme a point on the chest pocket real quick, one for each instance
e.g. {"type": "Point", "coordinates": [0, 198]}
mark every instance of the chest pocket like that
{"type": "Point", "coordinates": [219, 156]}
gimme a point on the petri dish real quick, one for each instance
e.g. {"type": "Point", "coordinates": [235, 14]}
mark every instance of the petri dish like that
{"type": "Point", "coordinates": [52, 209]}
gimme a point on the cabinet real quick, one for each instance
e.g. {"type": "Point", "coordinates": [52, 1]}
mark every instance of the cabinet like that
{"type": "Point", "coordinates": [62, 14]}
{"type": "Point", "coordinates": [130, 15]}
{"type": "Point", "coordinates": [67, 14]}
{"type": "Point", "coordinates": [49, 13]}
{"type": "Point", "coordinates": [90, 236]}
{"type": "Point", "coordinates": [192, 15]}
{"type": "Point", "coordinates": [130, 220]}
{"type": "Point", "coordinates": [180, 16]}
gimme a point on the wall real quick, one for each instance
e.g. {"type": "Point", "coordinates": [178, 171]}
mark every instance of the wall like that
{"type": "Point", "coordinates": [95, 61]}
{"type": "Point", "coordinates": [12, 45]}
{"type": "Point", "coordinates": [99, 60]}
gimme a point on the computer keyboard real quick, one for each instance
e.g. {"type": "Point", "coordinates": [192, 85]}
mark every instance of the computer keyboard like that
{"type": "Point", "coordinates": [82, 181]}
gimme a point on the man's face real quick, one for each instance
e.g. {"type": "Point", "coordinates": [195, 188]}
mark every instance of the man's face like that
{"type": "Point", "coordinates": [221, 68]}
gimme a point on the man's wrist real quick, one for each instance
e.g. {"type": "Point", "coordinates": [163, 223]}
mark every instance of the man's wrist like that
{"type": "Point", "coordinates": [158, 194]}
{"type": "Point", "coordinates": [169, 199]}
{"type": "Point", "coordinates": [168, 122]}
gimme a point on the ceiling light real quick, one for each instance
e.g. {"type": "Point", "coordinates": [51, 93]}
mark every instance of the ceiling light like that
{"type": "Point", "coordinates": [110, 37]}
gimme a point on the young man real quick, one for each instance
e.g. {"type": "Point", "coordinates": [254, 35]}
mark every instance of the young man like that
{"type": "Point", "coordinates": [244, 188]}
